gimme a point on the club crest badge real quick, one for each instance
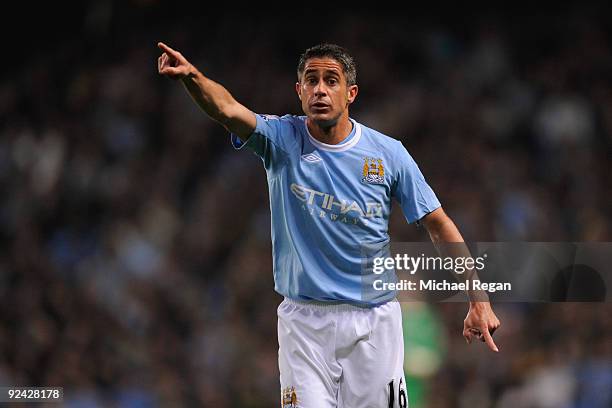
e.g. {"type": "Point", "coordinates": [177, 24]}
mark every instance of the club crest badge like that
{"type": "Point", "coordinates": [289, 398]}
{"type": "Point", "coordinates": [373, 171]}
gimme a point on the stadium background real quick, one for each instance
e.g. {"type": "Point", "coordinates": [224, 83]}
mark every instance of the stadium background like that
{"type": "Point", "coordinates": [135, 265]}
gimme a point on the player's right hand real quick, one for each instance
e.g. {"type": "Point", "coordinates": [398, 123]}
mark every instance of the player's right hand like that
{"type": "Point", "coordinates": [172, 63]}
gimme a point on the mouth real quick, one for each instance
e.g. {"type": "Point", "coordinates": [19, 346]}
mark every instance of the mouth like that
{"type": "Point", "coordinates": [319, 106]}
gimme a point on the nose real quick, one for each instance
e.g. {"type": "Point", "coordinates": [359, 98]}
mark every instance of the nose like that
{"type": "Point", "coordinates": [320, 89]}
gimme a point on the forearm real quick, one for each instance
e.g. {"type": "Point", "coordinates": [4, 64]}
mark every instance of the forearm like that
{"type": "Point", "coordinates": [219, 104]}
{"type": "Point", "coordinates": [210, 96]}
{"type": "Point", "coordinates": [449, 243]}
{"type": "Point", "coordinates": [213, 98]}
{"type": "Point", "coordinates": [444, 230]}
{"type": "Point", "coordinates": [480, 321]}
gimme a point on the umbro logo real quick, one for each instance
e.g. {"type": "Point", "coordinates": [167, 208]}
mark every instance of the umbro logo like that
{"type": "Point", "coordinates": [311, 158]}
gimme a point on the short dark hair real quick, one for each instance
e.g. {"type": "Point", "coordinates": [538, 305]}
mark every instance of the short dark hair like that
{"type": "Point", "coordinates": [333, 51]}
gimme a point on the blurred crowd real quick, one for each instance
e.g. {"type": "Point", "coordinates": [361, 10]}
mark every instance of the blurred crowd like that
{"type": "Point", "coordinates": [135, 265]}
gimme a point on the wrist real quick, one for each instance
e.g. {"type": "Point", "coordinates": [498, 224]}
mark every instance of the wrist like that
{"type": "Point", "coordinates": [479, 304]}
{"type": "Point", "coordinates": [192, 73]}
{"type": "Point", "coordinates": [477, 296]}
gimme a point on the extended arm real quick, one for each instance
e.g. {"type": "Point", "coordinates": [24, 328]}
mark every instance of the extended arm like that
{"type": "Point", "coordinates": [212, 97]}
{"type": "Point", "coordinates": [480, 321]}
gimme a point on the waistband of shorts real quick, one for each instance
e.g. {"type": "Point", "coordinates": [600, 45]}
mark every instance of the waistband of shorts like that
{"type": "Point", "coordinates": [334, 305]}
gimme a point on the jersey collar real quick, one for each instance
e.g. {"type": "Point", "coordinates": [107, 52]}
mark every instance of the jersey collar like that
{"type": "Point", "coordinates": [347, 144]}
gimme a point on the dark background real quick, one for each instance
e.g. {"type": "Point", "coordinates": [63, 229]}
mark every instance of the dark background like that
{"type": "Point", "coordinates": [135, 258]}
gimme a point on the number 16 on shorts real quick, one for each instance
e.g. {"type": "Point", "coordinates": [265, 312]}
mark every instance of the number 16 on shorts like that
{"type": "Point", "coordinates": [401, 395]}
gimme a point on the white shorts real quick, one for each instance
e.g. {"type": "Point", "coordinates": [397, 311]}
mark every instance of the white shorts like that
{"type": "Point", "coordinates": [341, 355]}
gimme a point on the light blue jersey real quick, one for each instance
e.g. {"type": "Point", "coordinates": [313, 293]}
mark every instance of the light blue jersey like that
{"type": "Point", "coordinates": [327, 201]}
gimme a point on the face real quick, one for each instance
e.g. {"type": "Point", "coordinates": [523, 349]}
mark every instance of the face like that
{"type": "Point", "coordinates": [323, 91]}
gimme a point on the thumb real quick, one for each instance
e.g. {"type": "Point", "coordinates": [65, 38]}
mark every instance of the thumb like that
{"type": "Point", "coordinates": [171, 71]}
{"type": "Point", "coordinates": [467, 334]}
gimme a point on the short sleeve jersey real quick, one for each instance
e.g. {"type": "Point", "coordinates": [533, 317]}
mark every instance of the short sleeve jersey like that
{"type": "Point", "coordinates": [328, 201]}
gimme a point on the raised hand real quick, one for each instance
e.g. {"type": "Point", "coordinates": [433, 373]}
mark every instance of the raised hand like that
{"type": "Point", "coordinates": [172, 63]}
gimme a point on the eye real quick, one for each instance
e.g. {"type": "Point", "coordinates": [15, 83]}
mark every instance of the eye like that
{"type": "Point", "coordinates": [332, 81]}
{"type": "Point", "coordinates": [311, 80]}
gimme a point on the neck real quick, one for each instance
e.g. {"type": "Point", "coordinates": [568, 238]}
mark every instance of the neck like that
{"type": "Point", "coordinates": [330, 133]}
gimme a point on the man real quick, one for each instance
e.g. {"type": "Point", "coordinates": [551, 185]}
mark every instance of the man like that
{"type": "Point", "coordinates": [331, 182]}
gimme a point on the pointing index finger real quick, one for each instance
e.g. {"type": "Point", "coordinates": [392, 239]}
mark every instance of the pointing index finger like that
{"type": "Point", "coordinates": [489, 340]}
{"type": "Point", "coordinates": [167, 49]}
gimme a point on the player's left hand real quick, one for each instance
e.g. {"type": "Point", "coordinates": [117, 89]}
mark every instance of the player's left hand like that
{"type": "Point", "coordinates": [481, 323]}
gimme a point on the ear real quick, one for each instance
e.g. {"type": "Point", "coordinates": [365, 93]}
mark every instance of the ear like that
{"type": "Point", "coordinates": [351, 93]}
{"type": "Point", "coordinates": [298, 89]}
